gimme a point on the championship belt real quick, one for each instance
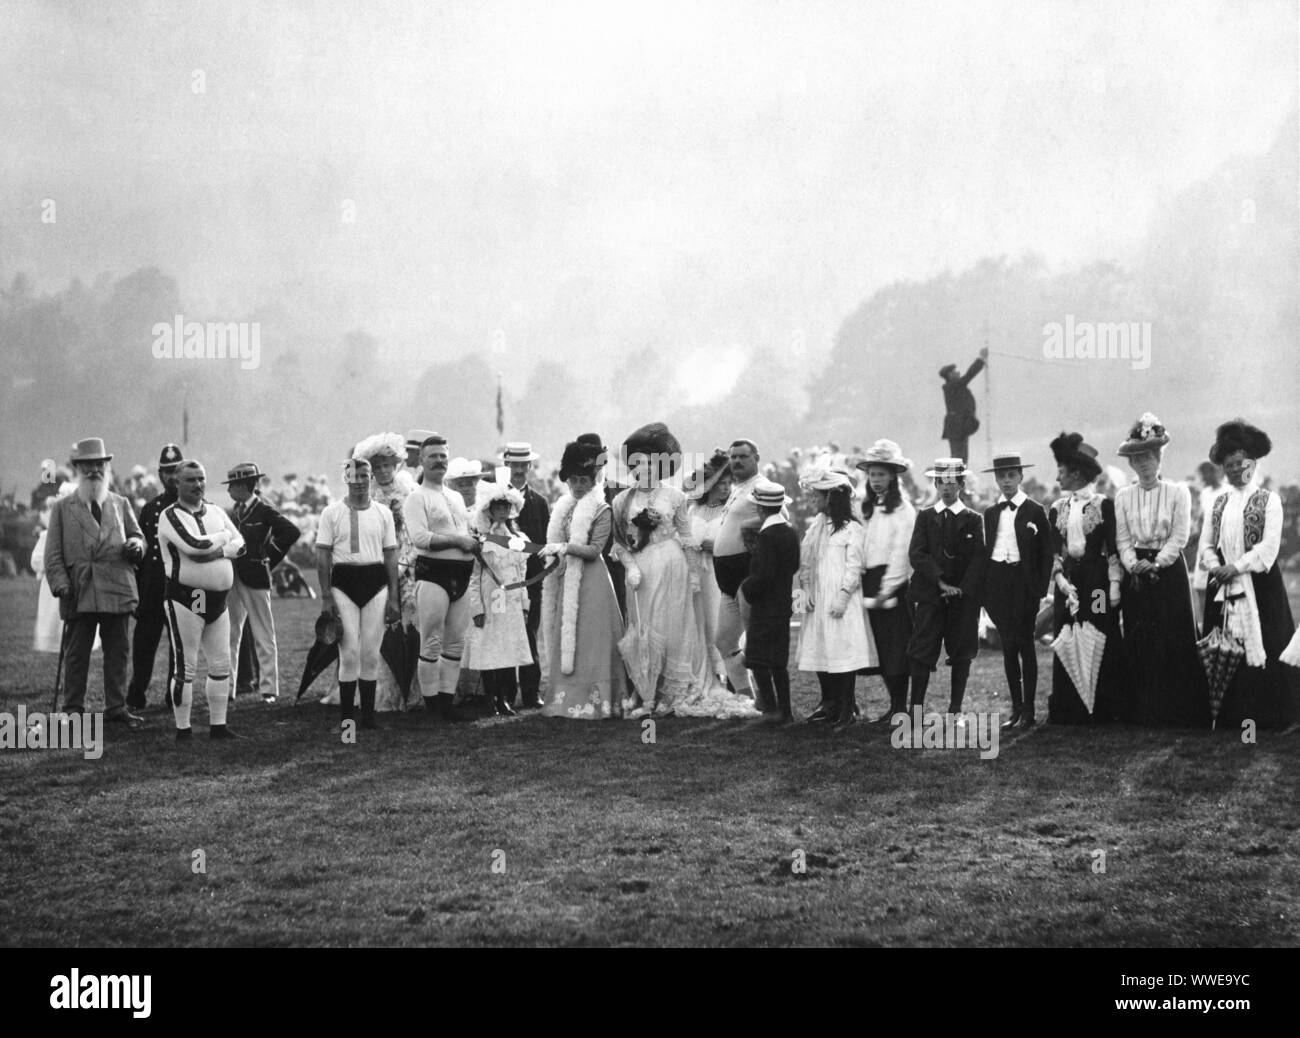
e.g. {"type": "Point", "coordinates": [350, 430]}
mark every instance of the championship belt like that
{"type": "Point", "coordinates": [514, 543]}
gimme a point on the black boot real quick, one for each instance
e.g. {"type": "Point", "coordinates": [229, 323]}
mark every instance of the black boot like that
{"type": "Point", "coordinates": [920, 682]}
{"type": "Point", "coordinates": [897, 687]}
{"type": "Point", "coordinates": [348, 699]}
{"type": "Point", "coordinates": [445, 709]}
{"type": "Point", "coordinates": [781, 678]}
{"type": "Point", "coordinates": [1017, 711]}
{"type": "Point", "coordinates": [828, 709]}
{"type": "Point", "coordinates": [367, 690]}
{"type": "Point", "coordinates": [848, 713]}
{"type": "Point", "coordinates": [960, 674]}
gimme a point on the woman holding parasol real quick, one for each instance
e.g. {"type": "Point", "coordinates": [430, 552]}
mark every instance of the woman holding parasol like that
{"type": "Point", "coordinates": [1086, 577]}
{"type": "Point", "coordinates": [1239, 547]}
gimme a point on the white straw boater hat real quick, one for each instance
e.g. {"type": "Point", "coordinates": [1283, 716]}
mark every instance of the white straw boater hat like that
{"type": "Point", "coordinates": [1008, 460]}
{"type": "Point", "coordinates": [518, 451]}
{"type": "Point", "coordinates": [947, 468]}
{"type": "Point", "coordinates": [463, 468]}
{"type": "Point", "coordinates": [766, 492]}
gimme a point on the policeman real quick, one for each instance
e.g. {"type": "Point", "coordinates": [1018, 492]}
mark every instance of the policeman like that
{"type": "Point", "coordinates": [151, 579]}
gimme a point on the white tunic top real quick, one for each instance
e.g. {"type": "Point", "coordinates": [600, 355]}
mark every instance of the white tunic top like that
{"type": "Point", "coordinates": [375, 531]}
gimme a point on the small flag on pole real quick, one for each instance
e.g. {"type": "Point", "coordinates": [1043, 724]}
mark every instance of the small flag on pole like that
{"type": "Point", "coordinates": [501, 415]}
{"type": "Point", "coordinates": [185, 419]}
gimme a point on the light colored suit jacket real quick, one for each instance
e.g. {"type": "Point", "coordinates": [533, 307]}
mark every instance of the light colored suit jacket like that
{"type": "Point", "coordinates": [88, 558]}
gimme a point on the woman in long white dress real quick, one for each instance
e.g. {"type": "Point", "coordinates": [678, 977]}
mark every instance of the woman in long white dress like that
{"type": "Point", "coordinates": [652, 532]}
{"type": "Point", "coordinates": [834, 641]}
{"type": "Point", "coordinates": [707, 501]}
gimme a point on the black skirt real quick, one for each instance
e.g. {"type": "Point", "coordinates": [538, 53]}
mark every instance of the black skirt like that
{"type": "Point", "coordinates": [1166, 680]}
{"type": "Point", "coordinates": [892, 631]}
{"type": "Point", "coordinates": [1268, 695]}
{"type": "Point", "coordinates": [1090, 576]}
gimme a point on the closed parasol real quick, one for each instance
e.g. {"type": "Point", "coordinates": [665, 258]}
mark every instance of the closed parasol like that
{"type": "Point", "coordinates": [1221, 654]}
{"type": "Point", "coordinates": [1080, 647]}
{"type": "Point", "coordinates": [400, 649]}
{"type": "Point", "coordinates": [643, 652]}
{"type": "Point", "coordinates": [324, 651]}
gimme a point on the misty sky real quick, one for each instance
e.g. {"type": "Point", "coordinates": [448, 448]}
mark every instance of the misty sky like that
{"type": "Point", "coordinates": [591, 178]}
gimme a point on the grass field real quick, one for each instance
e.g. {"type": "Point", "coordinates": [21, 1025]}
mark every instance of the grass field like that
{"type": "Point", "coordinates": [540, 831]}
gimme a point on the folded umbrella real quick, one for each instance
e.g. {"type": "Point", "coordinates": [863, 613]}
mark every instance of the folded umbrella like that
{"type": "Point", "coordinates": [324, 651]}
{"type": "Point", "coordinates": [1221, 654]}
{"type": "Point", "coordinates": [643, 653]}
{"type": "Point", "coordinates": [395, 650]}
{"type": "Point", "coordinates": [1081, 647]}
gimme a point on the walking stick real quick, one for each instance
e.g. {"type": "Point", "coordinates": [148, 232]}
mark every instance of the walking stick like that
{"type": "Point", "coordinates": [58, 677]}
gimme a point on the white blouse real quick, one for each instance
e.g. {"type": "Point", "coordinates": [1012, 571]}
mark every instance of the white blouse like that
{"type": "Point", "coordinates": [886, 539]}
{"type": "Point", "coordinates": [1159, 518]}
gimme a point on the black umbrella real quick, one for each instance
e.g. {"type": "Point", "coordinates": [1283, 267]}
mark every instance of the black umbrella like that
{"type": "Point", "coordinates": [323, 652]}
{"type": "Point", "coordinates": [401, 650]}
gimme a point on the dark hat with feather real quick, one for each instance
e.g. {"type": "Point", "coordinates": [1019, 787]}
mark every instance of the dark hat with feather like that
{"type": "Point", "coordinates": [1239, 435]}
{"type": "Point", "coordinates": [1069, 450]}
{"type": "Point", "coordinates": [581, 459]}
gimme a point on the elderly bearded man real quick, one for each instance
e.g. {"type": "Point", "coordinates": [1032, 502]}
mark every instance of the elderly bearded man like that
{"type": "Point", "coordinates": [91, 550]}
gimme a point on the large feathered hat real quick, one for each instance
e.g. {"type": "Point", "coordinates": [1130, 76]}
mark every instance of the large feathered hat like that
{"type": "Point", "coordinates": [389, 444]}
{"type": "Point", "coordinates": [490, 492]}
{"type": "Point", "coordinates": [1069, 450]}
{"type": "Point", "coordinates": [1147, 434]}
{"type": "Point", "coordinates": [581, 459]}
{"type": "Point", "coordinates": [1239, 435]}
{"type": "Point", "coordinates": [655, 439]}
{"type": "Point", "coordinates": [706, 477]}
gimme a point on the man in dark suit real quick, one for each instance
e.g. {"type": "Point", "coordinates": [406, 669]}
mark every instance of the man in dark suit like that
{"type": "Point", "coordinates": [533, 520]}
{"type": "Point", "coordinates": [150, 616]}
{"type": "Point", "coordinates": [947, 553]}
{"type": "Point", "coordinates": [91, 550]}
{"type": "Point", "coordinates": [959, 421]}
{"type": "Point", "coordinates": [766, 596]}
{"type": "Point", "coordinates": [1017, 567]}
{"type": "Point", "coordinates": [268, 536]}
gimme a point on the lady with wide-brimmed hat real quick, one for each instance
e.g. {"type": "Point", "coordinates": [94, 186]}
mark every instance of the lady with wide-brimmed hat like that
{"type": "Point", "coordinates": [1153, 519]}
{"type": "Point", "coordinates": [1086, 575]}
{"type": "Point", "coordinates": [888, 518]}
{"type": "Point", "coordinates": [1239, 549]}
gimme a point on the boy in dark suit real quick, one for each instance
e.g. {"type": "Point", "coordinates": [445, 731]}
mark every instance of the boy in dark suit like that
{"type": "Point", "coordinates": [767, 593]}
{"type": "Point", "coordinates": [1017, 567]}
{"type": "Point", "coordinates": [947, 553]}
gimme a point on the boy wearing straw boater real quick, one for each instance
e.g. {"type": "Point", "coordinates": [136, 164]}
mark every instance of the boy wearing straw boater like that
{"type": "Point", "coordinates": [767, 595]}
{"type": "Point", "coordinates": [1017, 567]}
{"type": "Point", "coordinates": [534, 517]}
{"type": "Point", "coordinates": [268, 536]}
{"type": "Point", "coordinates": [946, 553]}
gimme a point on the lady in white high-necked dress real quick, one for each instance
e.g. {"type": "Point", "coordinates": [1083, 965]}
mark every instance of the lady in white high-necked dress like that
{"type": "Point", "coordinates": [652, 534]}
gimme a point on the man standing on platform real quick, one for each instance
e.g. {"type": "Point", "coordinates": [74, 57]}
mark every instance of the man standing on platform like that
{"type": "Point", "coordinates": [959, 422]}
